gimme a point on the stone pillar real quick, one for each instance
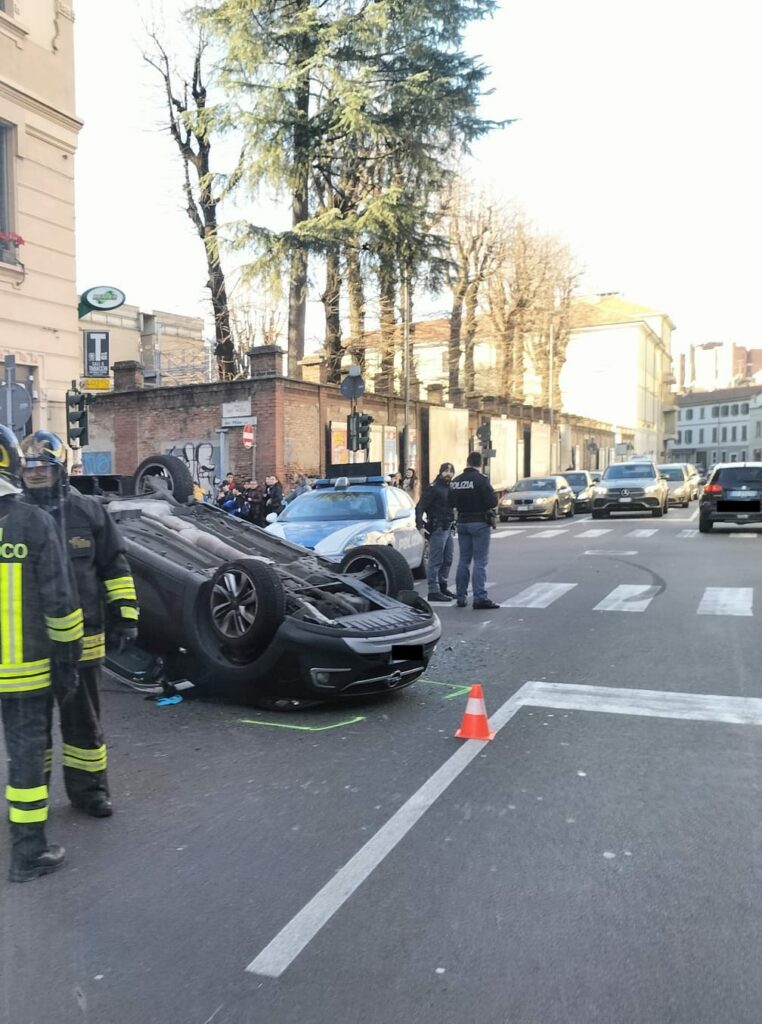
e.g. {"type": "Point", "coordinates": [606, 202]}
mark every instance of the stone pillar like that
{"type": "Point", "coordinates": [314, 369]}
{"type": "Point", "coordinates": [457, 397]}
{"type": "Point", "coordinates": [435, 394]}
{"type": "Point", "coordinates": [265, 361]}
{"type": "Point", "coordinates": [128, 375]}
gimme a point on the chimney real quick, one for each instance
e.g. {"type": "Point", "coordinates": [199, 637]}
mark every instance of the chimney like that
{"type": "Point", "coordinates": [128, 375]}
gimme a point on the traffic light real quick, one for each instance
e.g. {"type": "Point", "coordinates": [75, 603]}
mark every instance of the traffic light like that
{"type": "Point", "coordinates": [363, 430]}
{"type": "Point", "coordinates": [76, 419]}
{"type": "Point", "coordinates": [353, 436]}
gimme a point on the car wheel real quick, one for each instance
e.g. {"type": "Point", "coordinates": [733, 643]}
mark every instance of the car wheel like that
{"type": "Point", "coordinates": [657, 513]}
{"type": "Point", "coordinates": [666, 507]}
{"type": "Point", "coordinates": [570, 511]}
{"type": "Point", "coordinates": [247, 604]}
{"type": "Point", "coordinates": [164, 472]}
{"type": "Point", "coordinates": [553, 514]}
{"type": "Point", "coordinates": [596, 515]}
{"type": "Point", "coordinates": [380, 567]}
{"type": "Point", "coordinates": [420, 571]}
{"type": "Point", "coordinates": [705, 525]}
{"type": "Point", "coordinates": [504, 519]}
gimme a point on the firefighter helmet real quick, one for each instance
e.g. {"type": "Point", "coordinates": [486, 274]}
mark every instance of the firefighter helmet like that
{"type": "Point", "coordinates": [44, 472]}
{"type": "Point", "coordinates": [10, 462]}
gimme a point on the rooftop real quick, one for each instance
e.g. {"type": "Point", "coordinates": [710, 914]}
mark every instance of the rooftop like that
{"type": "Point", "coordinates": [721, 395]}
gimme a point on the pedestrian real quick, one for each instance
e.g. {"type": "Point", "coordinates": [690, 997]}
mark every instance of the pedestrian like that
{"type": "Point", "coordinates": [229, 484]}
{"type": "Point", "coordinates": [473, 498]}
{"type": "Point", "coordinates": [273, 495]}
{"type": "Point", "coordinates": [109, 604]}
{"type": "Point", "coordinates": [410, 483]}
{"type": "Point", "coordinates": [434, 507]}
{"type": "Point", "coordinates": [301, 486]}
{"type": "Point", "coordinates": [255, 497]}
{"type": "Point", "coordinates": [395, 480]}
{"type": "Point", "coordinates": [40, 634]}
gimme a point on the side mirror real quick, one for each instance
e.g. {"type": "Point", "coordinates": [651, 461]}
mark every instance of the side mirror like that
{"type": "Point", "coordinates": [271, 517]}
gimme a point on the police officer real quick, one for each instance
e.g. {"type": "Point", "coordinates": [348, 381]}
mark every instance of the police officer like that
{"type": "Point", "coordinates": [435, 507]}
{"type": "Point", "coordinates": [40, 633]}
{"type": "Point", "coordinates": [107, 592]}
{"type": "Point", "coordinates": [475, 501]}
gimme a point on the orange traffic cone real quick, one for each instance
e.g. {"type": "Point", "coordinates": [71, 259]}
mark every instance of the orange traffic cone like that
{"type": "Point", "coordinates": [475, 725]}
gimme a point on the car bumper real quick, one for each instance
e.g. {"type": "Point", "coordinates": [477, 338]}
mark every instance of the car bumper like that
{"type": "Point", "coordinates": [622, 505]}
{"type": "Point", "coordinates": [679, 499]}
{"type": "Point", "coordinates": [713, 515]}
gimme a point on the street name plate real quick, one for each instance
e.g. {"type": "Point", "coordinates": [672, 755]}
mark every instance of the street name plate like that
{"type": "Point", "coordinates": [237, 410]}
{"type": "Point", "coordinates": [95, 384]}
{"type": "Point", "coordinates": [238, 421]}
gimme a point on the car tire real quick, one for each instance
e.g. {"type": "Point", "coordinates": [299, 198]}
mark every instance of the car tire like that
{"type": "Point", "coordinates": [657, 513]}
{"type": "Point", "coordinates": [570, 511]}
{"type": "Point", "coordinates": [420, 572]}
{"type": "Point", "coordinates": [596, 515]}
{"type": "Point", "coordinates": [666, 507]}
{"type": "Point", "coordinates": [504, 519]}
{"type": "Point", "coordinates": [381, 567]}
{"type": "Point", "coordinates": [246, 604]}
{"type": "Point", "coordinates": [553, 514]}
{"type": "Point", "coordinates": [705, 525]}
{"type": "Point", "coordinates": [167, 470]}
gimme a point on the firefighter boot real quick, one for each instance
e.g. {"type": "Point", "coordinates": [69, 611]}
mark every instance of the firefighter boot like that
{"type": "Point", "coordinates": [51, 859]}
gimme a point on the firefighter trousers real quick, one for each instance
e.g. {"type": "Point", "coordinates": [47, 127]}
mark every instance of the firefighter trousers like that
{"type": "Point", "coordinates": [25, 727]}
{"type": "Point", "coordinates": [84, 749]}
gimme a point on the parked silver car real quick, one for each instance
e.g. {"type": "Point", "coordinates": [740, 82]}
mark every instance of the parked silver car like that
{"type": "Point", "coordinates": [631, 487]}
{"type": "Point", "coordinates": [546, 496]}
{"type": "Point", "coordinates": [582, 483]}
{"type": "Point", "coordinates": [680, 482]}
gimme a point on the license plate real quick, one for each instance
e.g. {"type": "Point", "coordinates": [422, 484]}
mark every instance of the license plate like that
{"type": "Point", "coordinates": [744, 494]}
{"type": "Point", "coordinates": [407, 652]}
{"type": "Point", "coordinates": [625, 501]}
{"type": "Point", "coordinates": [743, 515]}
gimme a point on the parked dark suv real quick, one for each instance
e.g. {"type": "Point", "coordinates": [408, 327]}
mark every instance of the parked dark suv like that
{"type": "Point", "coordinates": [732, 494]}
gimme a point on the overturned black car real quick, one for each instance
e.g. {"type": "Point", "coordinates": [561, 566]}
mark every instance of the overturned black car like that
{"type": "Point", "coordinates": [238, 611]}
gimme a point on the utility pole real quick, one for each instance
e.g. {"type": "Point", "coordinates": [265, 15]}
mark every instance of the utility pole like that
{"type": "Point", "coordinates": [406, 369]}
{"type": "Point", "coordinates": [550, 393]}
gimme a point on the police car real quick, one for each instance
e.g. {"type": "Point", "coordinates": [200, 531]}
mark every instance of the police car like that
{"type": "Point", "coordinates": [345, 512]}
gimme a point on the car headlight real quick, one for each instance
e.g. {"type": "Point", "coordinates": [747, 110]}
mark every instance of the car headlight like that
{"type": "Point", "coordinates": [506, 501]}
{"type": "Point", "coordinates": [600, 492]}
{"type": "Point", "coordinates": [652, 489]}
{"type": "Point", "coordinates": [543, 501]}
{"type": "Point", "coordinates": [357, 540]}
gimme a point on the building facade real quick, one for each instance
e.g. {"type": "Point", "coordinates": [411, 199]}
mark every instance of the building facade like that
{"type": "Point", "coordinates": [38, 141]}
{"type": "Point", "coordinates": [719, 426]}
{"type": "Point", "coordinates": [712, 365]}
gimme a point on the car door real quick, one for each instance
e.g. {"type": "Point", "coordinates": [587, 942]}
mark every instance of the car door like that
{"type": "Point", "coordinates": [406, 538]}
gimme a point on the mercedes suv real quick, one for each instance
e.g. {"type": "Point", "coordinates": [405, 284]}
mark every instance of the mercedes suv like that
{"type": "Point", "coordinates": [631, 487]}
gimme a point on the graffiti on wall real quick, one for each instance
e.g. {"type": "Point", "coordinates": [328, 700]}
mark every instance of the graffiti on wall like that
{"type": "Point", "coordinates": [202, 460]}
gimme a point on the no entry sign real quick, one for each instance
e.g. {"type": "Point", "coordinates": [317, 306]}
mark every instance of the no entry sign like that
{"type": "Point", "coordinates": [248, 435]}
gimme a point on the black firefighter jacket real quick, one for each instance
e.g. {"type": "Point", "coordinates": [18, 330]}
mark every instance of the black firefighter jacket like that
{"type": "Point", "coordinates": [101, 571]}
{"type": "Point", "coordinates": [40, 616]}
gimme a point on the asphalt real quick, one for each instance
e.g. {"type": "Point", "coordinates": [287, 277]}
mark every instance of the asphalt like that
{"type": "Point", "coordinates": [584, 867]}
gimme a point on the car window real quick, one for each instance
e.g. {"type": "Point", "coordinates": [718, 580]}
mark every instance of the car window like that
{"type": "Point", "coordinates": [334, 506]}
{"type": "Point", "coordinates": [576, 479]}
{"type": "Point", "coordinates": [535, 484]}
{"type": "Point", "coordinates": [672, 472]}
{"type": "Point", "coordinates": [629, 471]}
{"type": "Point", "coordinates": [396, 500]}
{"type": "Point", "coordinates": [738, 476]}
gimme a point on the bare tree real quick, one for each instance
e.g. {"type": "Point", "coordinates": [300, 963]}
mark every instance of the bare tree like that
{"type": "Point", "coordinates": [188, 121]}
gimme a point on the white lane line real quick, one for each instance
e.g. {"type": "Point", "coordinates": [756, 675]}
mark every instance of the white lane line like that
{"type": "Point", "coordinates": [605, 551]}
{"type": "Point", "coordinates": [694, 515]}
{"type": "Point", "coordinates": [628, 597]}
{"type": "Point", "coordinates": [548, 533]}
{"type": "Point", "coordinates": [698, 707]}
{"type": "Point", "coordinates": [281, 952]}
{"type": "Point", "coordinates": [593, 533]}
{"type": "Point", "coordinates": [539, 595]}
{"type": "Point", "coordinates": [688, 533]}
{"type": "Point", "coordinates": [727, 601]}
{"type": "Point", "coordinates": [641, 533]}
{"type": "Point", "coordinates": [744, 536]}
{"type": "Point", "coordinates": [500, 534]}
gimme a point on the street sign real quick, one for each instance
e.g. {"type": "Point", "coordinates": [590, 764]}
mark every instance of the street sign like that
{"type": "Point", "coordinates": [95, 383]}
{"type": "Point", "coordinates": [234, 409]}
{"type": "Point", "coordinates": [102, 297]}
{"type": "Point", "coordinates": [248, 435]}
{"type": "Point", "coordinates": [238, 421]}
{"type": "Point", "coordinates": [20, 406]}
{"type": "Point", "coordinates": [96, 353]}
{"type": "Point", "coordinates": [352, 386]}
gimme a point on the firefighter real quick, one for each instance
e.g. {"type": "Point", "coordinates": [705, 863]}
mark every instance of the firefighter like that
{"type": "Point", "coordinates": [40, 633]}
{"type": "Point", "coordinates": [109, 604]}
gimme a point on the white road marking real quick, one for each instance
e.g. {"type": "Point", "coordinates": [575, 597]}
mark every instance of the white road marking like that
{"type": "Point", "coordinates": [549, 533]}
{"type": "Point", "coordinates": [605, 551]}
{"type": "Point", "coordinates": [281, 952]}
{"type": "Point", "coordinates": [628, 597]}
{"type": "Point", "coordinates": [744, 536]}
{"type": "Point", "coordinates": [594, 533]}
{"type": "Point", "coordinates": [727, 601]}
{"type": "Point", "coordinates": [694, 516]}
{"type": "Point", "coordinates": [688, 533]}
{"type": "Point", "coordinates": [697, 707]}
{"type": "Point", "coordinates": [539, 595]}
{"type": "Point", "coordinates": [641, 533]}
{"type": "Point", "coordinates": [499, 534]}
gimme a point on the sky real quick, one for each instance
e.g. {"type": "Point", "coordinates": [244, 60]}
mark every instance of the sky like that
{"type": "Point", "coordinates": [635, 139]}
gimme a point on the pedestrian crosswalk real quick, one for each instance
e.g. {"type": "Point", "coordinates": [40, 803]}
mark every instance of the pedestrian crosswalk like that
{"type": "Point", "coordinates": [639, 534]}
{"type": "Point", "coordinates": [635, 597]}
